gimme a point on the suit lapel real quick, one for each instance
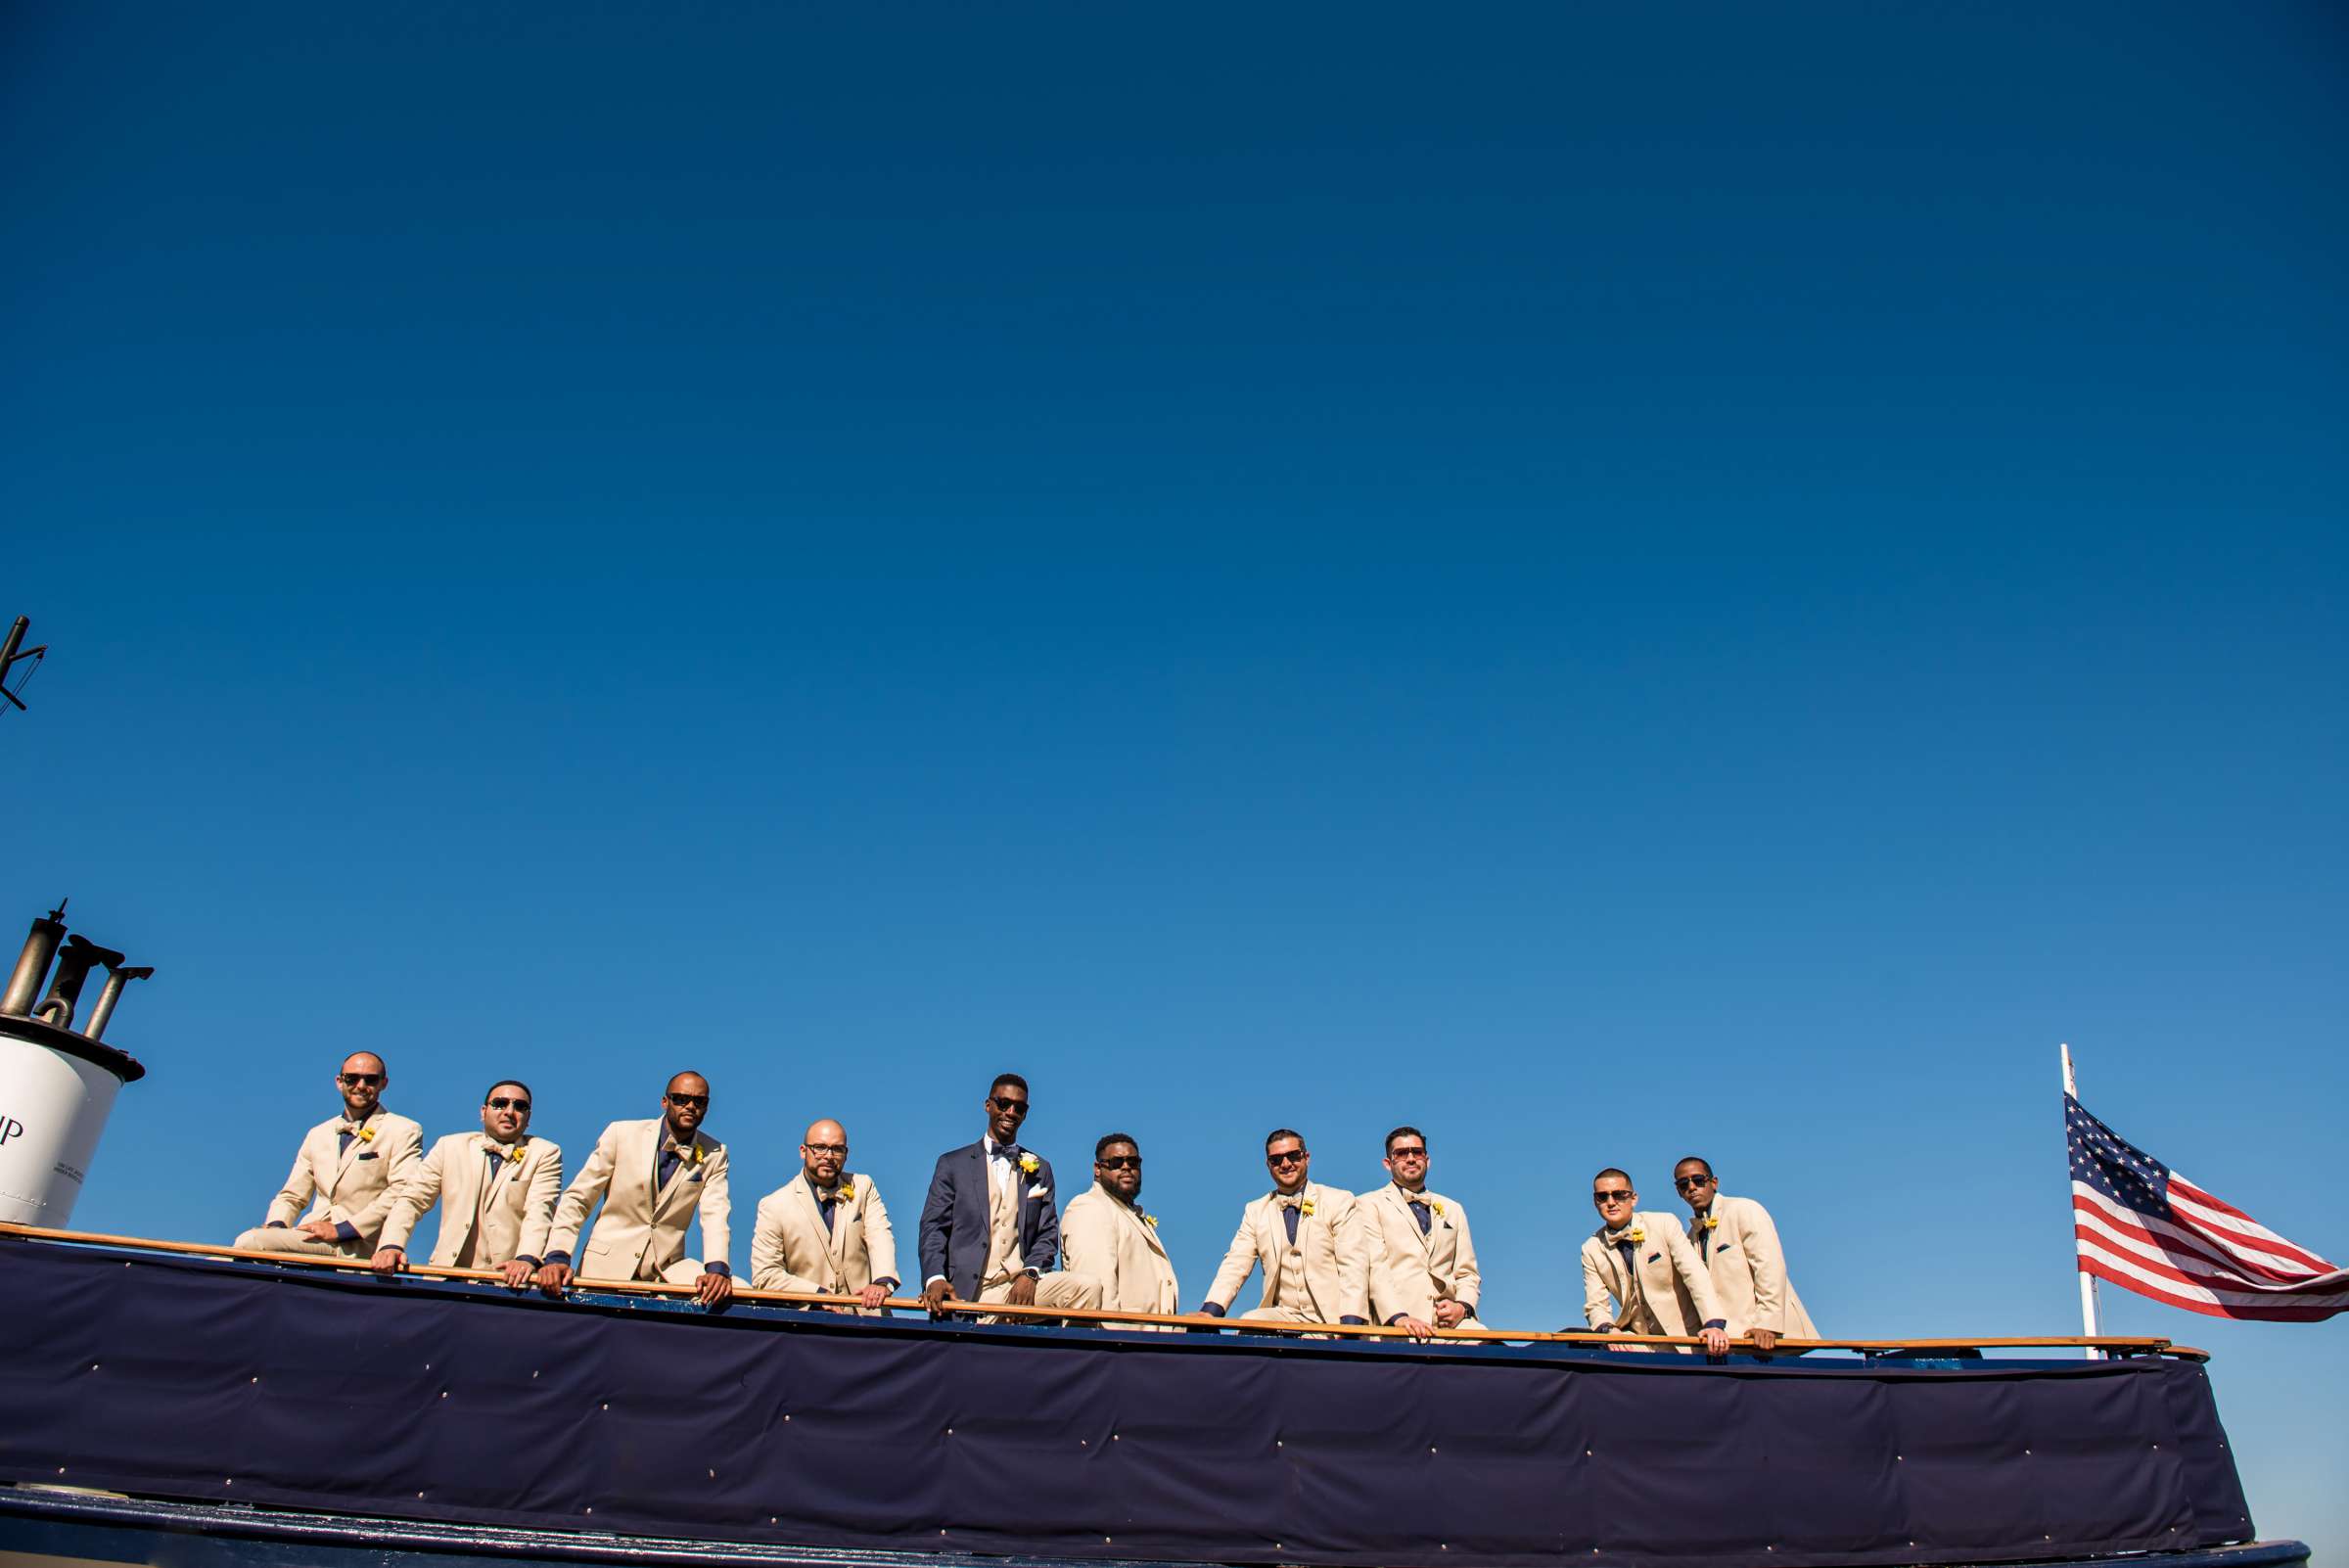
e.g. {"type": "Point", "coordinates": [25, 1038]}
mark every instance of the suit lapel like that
{"type": "Point", "coordinates": [350, 1152]}
{"type": "Point", "coordinates": [1396, 1203]}
{"type": "Point", "coordinates": [680, 1181]}
{"type": "Point", "coordinates": [461, 1195]}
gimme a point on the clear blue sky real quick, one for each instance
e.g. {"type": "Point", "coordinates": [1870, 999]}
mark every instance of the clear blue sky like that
{"type": "Point", "coordinates": [1610, 581]}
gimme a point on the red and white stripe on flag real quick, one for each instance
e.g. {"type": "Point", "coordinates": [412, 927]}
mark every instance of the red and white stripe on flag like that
{"type": "Point", "coordinates": [2143, 1226]}
{"type": "Point", "coordinates": [2209, 1257]}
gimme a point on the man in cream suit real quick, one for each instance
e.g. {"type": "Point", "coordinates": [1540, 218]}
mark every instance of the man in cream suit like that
{"type": "Point", "coordinates": [825, 1231]}
{"type": "Point", "coordinates": [1644, 1264]}
{"type": "Point", "coordinates": [346, 1171]}
{"type": "Point", "coordinates": [496, 1190]}
{"type": "Point", "coordinates": [991, 1225]}
{"type": "Point", "coordinates": [1737, 1242]}
{"type": "Point", "coordinates": [1316, 1264]}
{"type": "Point", "coordinates": [1105, 1232]}
{"type": "Point", "coordinates": [652, 1178]}
{"type": "Point", "coordinates": [1422, 1264]}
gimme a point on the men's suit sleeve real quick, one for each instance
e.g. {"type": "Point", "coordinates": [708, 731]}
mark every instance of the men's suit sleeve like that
{"type": "Point", "coordinates": [1352, 1233]}
{"type": "Point", "coordinates": [1598, 1309]}
{"type": "Point", "coordinates": [880, 1241]}
{"type": "Point", "coordinates": [1694, 1276]}
{"type": "Point", "coordinates": [1043, 1252]}
{"type": "Point", "coordinates": [579, 1199]}
{"type": "Point", "coordinates": [1467, 1283]}
{"type": "Point", "coordinates": [1769, 1267]}
{"type": "Point", "coordinates": [1238, 1258]}
{"type": "Point", "coordinates": [400, 1161]}
{"type": "Point", "coordinates": [302, 1185]}
{"type": "Point", "coordinates": [716, 1207]}
{"type": "Point", "coordinates": [538, 1204]}
{"type": "Point", "coordinates": [938, 1220]}
{"type": "Point", "coordinates": [1088, 1243]}
{"type": "Point", "coordinates": [768, 1269]}
{"type": "Point", "coordinates": [413, 1196]}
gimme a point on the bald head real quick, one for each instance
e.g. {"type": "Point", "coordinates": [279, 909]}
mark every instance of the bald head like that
{"type": "Point", "coordinates": [360, 1079]}
{"type": "Point", "coordinates": [825, 1152]}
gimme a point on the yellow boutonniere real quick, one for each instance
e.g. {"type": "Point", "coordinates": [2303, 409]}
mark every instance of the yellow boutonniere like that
{"type": "Point", "coordinates": [1436, 1203]}
{"type": "Point", "coordinates": [845, 1191]}
{"type": "Point", "coordinates": [695, 1153]}
{"type": "Point", "coordinates": [1636, 1234]}
{"type": "Point", "coordinates": [512, 1153]}
{"type": "Point", "coordinates": [1151, 1221]}
{"type": "Point", "coordinates": [1306, 1207]}
{"type": "Point", "coordinates": [364, 1133]}
{"type": "Point", "coordinates": [1028, 1163]}
{"type": "Point", "coordinates": [1711, 1221]}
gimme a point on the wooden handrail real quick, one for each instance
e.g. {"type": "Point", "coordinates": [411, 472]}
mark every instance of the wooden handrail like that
{"type": "Point", "coordinates": [1110, 1318]}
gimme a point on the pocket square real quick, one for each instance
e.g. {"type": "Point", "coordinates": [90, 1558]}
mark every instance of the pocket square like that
{"type": "Point", "coordinates": [1039, 1190]}
{"type": "Point", "coordinates": [367, 1156]}
{"type": "Point", "coordinates": [1723, 1247]}
{"type": "Point", "coordinates": [1653, 1255]}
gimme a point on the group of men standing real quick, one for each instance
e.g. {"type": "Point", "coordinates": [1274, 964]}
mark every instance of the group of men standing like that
{"type": "Point", "coordinates": [991, 1230]}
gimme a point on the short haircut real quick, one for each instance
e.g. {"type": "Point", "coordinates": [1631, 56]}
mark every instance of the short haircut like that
{"type": "Point", "coordinates": [1279, 1133]}
{"type": "Point", "coordinates": [1107, 1139]}
{"type": "Point", "coordinates": [686, 1072]}
{"type": "Point", "coordinates": [1624, 1177]}
{"type": "Point", "coordinates": [501, 1084]}
{"type": "Point", "coordinates": [1404, 1133]}
{"type": "Point", "coordinates": [1013, 1079]}
{"type": "Point", "coordinates": [1692, 1159]}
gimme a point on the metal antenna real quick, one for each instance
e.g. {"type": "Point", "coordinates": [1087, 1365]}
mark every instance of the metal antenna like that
{"type": "Point", "coordinates": [14, 650]}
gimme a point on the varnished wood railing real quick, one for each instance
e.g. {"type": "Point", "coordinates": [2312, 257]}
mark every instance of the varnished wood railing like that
{"type": "Point", "coordinates": [2111, 1345]}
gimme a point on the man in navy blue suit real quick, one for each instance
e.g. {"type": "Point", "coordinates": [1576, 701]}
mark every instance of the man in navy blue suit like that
{"type": "Point", "coordinates": [991, 1227]}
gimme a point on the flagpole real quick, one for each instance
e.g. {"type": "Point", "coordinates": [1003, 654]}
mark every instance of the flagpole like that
{"type": "Point", "coordinates": [2090, 1318]}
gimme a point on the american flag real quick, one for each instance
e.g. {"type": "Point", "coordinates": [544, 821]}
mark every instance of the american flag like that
{"type": "Point", "coordinates": [2143, 1225]}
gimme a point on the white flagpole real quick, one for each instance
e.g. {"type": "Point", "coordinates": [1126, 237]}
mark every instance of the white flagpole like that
{"type": "Point", "coordinates": [2091, 1319]}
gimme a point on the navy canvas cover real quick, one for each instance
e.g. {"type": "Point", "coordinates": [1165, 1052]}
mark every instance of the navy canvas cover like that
{"type": "Point", "coordinates": [223, 1382]}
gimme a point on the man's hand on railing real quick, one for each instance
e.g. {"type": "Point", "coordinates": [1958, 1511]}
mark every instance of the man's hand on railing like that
{"type": "Point", "coordinates": [520, 1271]}
{"type": "Point", "coordinates": [1764, 1340]}
{"type": "Point", "coordinates": [388, 1260]}
{"type": "Point", "coordinates": [554, 1278]}
{"type": "Point", "coordinates": [714, 1290]}
{"type": "Point", "coordinates": [1416, 1328]}
{"type": "Point", "coordinates": [872, 1296]}
{"type": "Point", "coordinates": [936, 1294]}
{"type": "Point", "coordinates": [1716, 1342]}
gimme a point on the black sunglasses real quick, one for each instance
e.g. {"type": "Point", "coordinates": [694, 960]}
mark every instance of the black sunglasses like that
{"type": "Point", "coordinates": [355, 1079]}
{"type": "Point", "coordinates": [501, 1103]}
{"type": "Point", "coordinates": [1008, 1107]}
{"type": "Point", "coordinates": [1119, 1161]}
{"type": "Point", "coordinates": [1290, 1158]}
{"type": "Point", "coordinates": [1407, 1154]}
{"type": "Point", "coordinates": [702, 1101]}
{"type": "Point", "coordinates": [1619, 1195]}
{"type": "Point", "coordinates": [1692, 1181]}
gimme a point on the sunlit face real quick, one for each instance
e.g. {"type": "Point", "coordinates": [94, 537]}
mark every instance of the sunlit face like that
{"type": "Point", "coordinates": [1407, 1162]}
{"type": "Point", "coordinates": [1119, 1168]}
{"type": "Point", "coordinates": [1693, 1181]}
{"type": "Point", "coordinates": [360, 1079]}
{"type": "Point", "coordinates": [686, 1101]}
{"type": "Point", "coordinates": [825, 1153]}
{"type": "Point", "coordinates": [1006, 1107]}
{"type": "Point", "coordinates": [1615, 1200]}
{"type": "Point", "coordinates": [1288, 1162]}
{"type": "Point", "coordinates": [506, 1113]}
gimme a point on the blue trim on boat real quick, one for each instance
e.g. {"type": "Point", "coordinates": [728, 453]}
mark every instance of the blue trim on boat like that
{"type": "Point", "coordinates": [105, 1527]}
